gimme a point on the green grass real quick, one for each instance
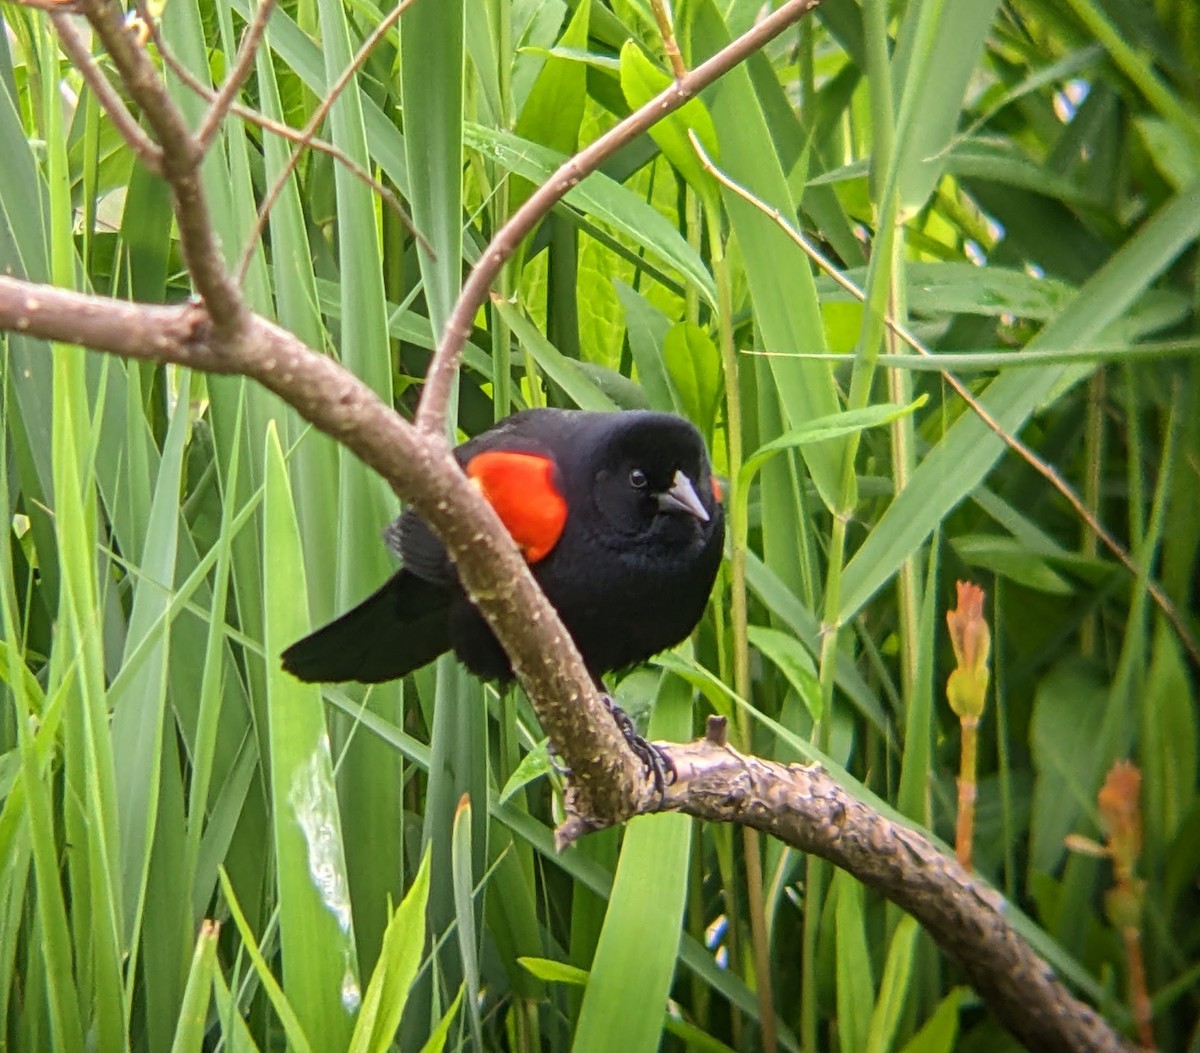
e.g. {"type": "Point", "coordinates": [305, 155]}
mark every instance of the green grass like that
{"type": "Point", "coordinates": [1018, 185]}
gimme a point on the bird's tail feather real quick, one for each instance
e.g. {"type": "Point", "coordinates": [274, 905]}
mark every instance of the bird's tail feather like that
{"type": "Point", "coordinates": [398, 628]}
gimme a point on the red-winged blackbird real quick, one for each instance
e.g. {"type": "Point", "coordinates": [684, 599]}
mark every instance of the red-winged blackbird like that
{"type": "Point", "coordinates": [618, 515]}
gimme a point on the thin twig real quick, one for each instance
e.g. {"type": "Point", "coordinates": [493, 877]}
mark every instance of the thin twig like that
{"type": "Point", "coordinates": [237, 75]}
{"type": "Point", "coordinates": [284, 131]}
{"type": "Point", "coordinates": [314, 122]}
{"type": "Point", "coordinates": [1046, 470]}
{"type": "Point", "coordinates": [431, 413]}
{"type": "Point", "coordinates": [76, 49]}
{"type": "Point", "coordinates": [662, 15]}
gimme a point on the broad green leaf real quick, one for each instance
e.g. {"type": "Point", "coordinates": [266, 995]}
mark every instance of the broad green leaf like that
{"type": "Point", "coordinates": [639, 944]}
{"type": "Point", "coordinates": [935, 58]}
{"type": "Point", "coordinates": [855, 981]}
{"type": "Point", "coordinates": [463, 880]}
{"type": "Point", "coordinates": [779, 276]}
{"type": "Point", "coordinates": [694, 365]}
{"type": "Point", "coordinates": [1069, 701]}
{"type": "Point", "coordinates": [1011, 559]}
{"type": "Point", "coordinates": [963, 457]}
{"type": "Point", "coordinates": [320, 962]}
{"type": "Point", "coordinates": [533, 765]}
{"type": "Point", "coordinates": [437, 1037]}
{"type": "Point", "coordinates": [601, 198]}
{"type": "Point", "coordinates": [565, 372]}
{"type": "Point", "coordinates": [193, 1013]}
{"type": "Point", "coordinates": [793, 660]}
{"type": "Point", "coordinates": [556, 972]}
{"type": "Point", "coordinates": [893, 988]}
{"type": "Point", "coordinates": [642, 81]}
{"type": "Point", "coordinates": [939, 1034]}
{"type": "Point", "coordinates": [553, 110]}
{"type": "Point", "coordinates": [1168, 753]}
{"type": "Point", "coordinates": [399, 959]}
{"type": "Point", "coordinates": [432, 52]}
{"type": "Point", "coordinates": [289, 1018]}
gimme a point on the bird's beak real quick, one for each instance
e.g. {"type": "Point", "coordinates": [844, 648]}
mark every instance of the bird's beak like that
{"type": "Point", "coordinates": [682, 498]}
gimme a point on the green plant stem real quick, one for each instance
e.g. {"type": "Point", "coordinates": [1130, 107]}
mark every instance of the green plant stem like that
{"type": "Point", "coordinates": [904, 461]}
{"type": "Point", "coordinates": [739, 617]}
{"type": "Point", "coordinates": [1093, 466]}
{"type": "Point", "coordinates": [964, 830]}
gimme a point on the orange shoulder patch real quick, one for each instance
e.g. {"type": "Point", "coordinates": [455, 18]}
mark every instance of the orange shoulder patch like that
{"type": "Point", "coordinates": [520, 487]}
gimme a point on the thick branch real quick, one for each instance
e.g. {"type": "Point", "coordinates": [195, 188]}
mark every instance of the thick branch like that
{"type": "Point", "coordinates": [804, 807]}
{"type": "Point", "coordinates": [431, 415]}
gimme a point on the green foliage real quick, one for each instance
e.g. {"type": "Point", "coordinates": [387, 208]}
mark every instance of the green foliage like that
{"type": "Point", "coordinates": [1019, 186]}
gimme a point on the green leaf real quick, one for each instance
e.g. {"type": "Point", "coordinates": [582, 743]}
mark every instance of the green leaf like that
{"type": "Point", "coordinates": [193, 1013]}
{"type": "Point", "coordinates": [1013, 560]}
{"type": "Point", "coordinates": [288, 1017]}
{"type": "Point", "coordinates": [399, 959]}
{"type": "Point", "coordinates": [603, 199]}
{"type": "Point", "coordinates": [1069, 700]}
{"type": "Point", "coordinates": [642, 81]}
{"type": "Point", "coordinates": [437, 1037]}
{"type": "Point", "coordinates": [555, 972]}
{"type": "Point", "coordinates": [565, 372]}
{"type": "Point", "coordinates": [553, 110]}
{"type": "Point", "coordinates": [639, 944]}
{"type": "Point", "coordinates": [855, 984]}
{"type": "Point", "coordinates": [533, 765]}
{"type": "Point", "coordinates": [320, 962]}
{"type": "Point", "coordinates": [793, 660]}
{"type": "Point", "coordinates": [1168, 752]}
{"type": "Point", "coordinates": [893, 988]}
{"type": "Point", "coordinates": [464, 909]}
{"type": "Point", "coordinates": [694, 365]}
{"type": "Point", "coordinates": [939, 1034]}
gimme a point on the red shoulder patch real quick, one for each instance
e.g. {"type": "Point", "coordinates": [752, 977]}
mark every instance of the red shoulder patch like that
{"type": "Point", "coordinates": [716, 487]}
{"type": "Point", "coordinates": [520, 487]}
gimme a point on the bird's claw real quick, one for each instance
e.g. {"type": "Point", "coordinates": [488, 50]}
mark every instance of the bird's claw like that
{"type": "Point", "coordinates": [655, 762]}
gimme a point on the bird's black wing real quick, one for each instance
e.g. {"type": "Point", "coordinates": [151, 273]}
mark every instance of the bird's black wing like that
{"type": "Point", "coordinates": [421, 552]}
{"type": "Point", "coordinates": [398, 628]}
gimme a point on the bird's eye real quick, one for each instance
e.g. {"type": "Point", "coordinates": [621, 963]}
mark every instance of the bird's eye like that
{"type": "Point", "coordinates": [637, 479]}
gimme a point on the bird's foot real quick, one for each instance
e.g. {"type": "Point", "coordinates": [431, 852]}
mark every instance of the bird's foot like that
{"type": "Point", "coordinates": [657, 764]}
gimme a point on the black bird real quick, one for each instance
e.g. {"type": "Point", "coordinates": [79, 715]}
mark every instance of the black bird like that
{"type": "Point", "coordinates": [619, 517]}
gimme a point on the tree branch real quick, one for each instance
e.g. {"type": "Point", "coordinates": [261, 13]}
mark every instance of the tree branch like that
{"type": "Point", "coordinates": [284, 131]}
{"type": "Point", "coordinates": [805, 808]}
